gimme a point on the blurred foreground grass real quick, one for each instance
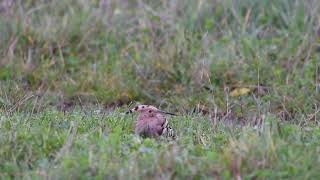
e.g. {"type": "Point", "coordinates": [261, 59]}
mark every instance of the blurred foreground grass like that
{"type": "Point", "coordinates": [78, 146]}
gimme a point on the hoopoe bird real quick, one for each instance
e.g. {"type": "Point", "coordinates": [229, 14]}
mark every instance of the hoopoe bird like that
{"type": "Point", "coordinates": [151, 122]}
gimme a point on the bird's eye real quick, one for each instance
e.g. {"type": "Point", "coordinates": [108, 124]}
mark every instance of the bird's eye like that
{"type": "Point", "coordinates": [142, 107]}
{"type": "Point", "coordinates": [150, 111]}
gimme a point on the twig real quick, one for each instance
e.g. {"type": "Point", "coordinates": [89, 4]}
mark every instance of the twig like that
{"type": "Point", "coordinates": [19, 103]}
{"type": "Point", "coordinates": [81, 107]}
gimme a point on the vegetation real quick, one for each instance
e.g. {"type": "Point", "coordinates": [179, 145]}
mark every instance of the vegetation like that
{"type": "Point", "coordinates": [76, 146]}
{"type": "Point", "coordinates": [243, 75]}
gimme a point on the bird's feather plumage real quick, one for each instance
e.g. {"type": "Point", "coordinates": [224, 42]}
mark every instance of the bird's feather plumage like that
{"type": "Point", "coordinates": [151, 122]}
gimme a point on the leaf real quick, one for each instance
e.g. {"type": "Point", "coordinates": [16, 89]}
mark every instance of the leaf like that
{"type": "Point", "coordinates": [240, 92]}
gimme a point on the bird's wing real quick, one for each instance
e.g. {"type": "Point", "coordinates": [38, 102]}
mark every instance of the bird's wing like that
{"type": "Point", "coordinates": [166, 130]}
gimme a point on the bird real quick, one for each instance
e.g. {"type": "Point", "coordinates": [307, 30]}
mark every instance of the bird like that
{"type": "Point", "coordinates": [151, 122]}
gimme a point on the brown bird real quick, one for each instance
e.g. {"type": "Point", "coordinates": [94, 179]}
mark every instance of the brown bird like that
{"type": "Point", "coordinates": [151, 122]}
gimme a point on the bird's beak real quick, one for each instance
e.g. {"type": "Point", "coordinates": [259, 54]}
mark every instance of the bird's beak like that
{"type": "Point", "coordinates": [129, 111]}
{"type": "Point", "coordinates": [132, 110]}
{"type": "Point", "coordinates": [164, 112]}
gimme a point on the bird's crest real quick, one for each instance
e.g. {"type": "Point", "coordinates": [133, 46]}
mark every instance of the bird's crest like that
{"type": "Point", "coordinates": [146, 108]}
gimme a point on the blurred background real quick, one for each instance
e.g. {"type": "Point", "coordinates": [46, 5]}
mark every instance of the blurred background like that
{"type": "Point", "coordinates": [248, 57]}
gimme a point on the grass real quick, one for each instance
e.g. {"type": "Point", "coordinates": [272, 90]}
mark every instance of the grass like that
{"type": "Point", "coordinates": [243, 75]}
{"type": "Point", "coordinates": [53, 145]}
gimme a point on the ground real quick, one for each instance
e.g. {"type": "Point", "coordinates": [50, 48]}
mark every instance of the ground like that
{"type": "Point", "coordinates": [72, 146]}
{"type": "Point", "coordinates": [243, 76]}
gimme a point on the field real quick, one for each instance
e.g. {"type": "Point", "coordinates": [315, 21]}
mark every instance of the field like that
{"type": "Point", "coordinates": [243, 77]}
